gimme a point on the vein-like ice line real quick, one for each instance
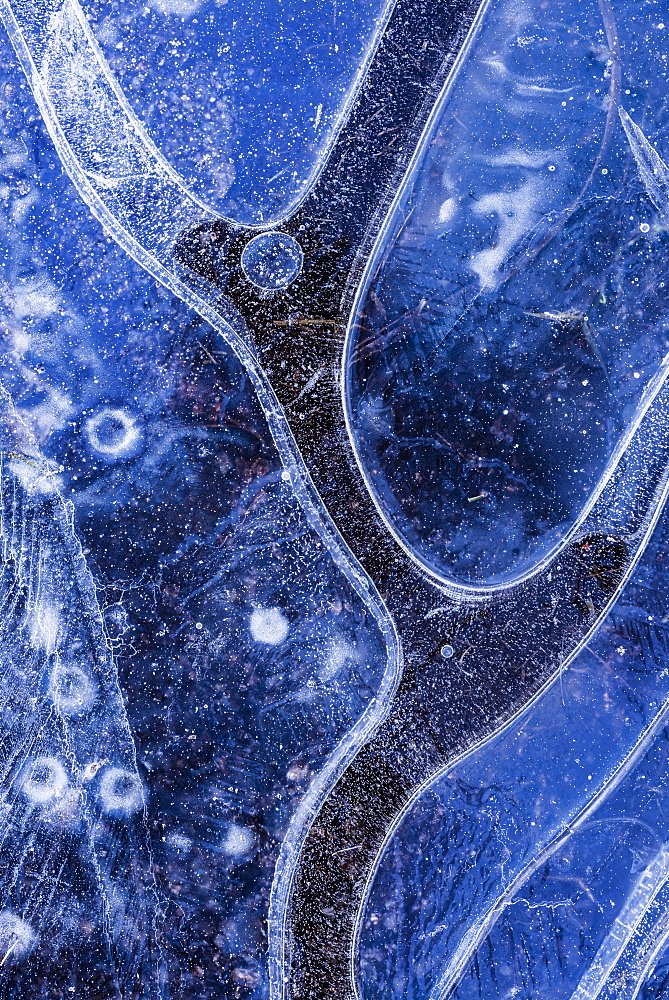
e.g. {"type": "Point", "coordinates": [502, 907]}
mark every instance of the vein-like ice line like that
{"type": "Point", "coordinates": [148, 143]}
{"type": "Point", "coordinates": [627, 976]}
{"type": "Point", "coordinates": [306, 494]}
{"type": "Point", "coordinates": [38, 570]}
{"type": "Point", "coordinates": [365, 273]}
{"type": "Point", "coordinates": [179, 211]}
{"type": "Point", "coordinates": [659, 937]}
{"type": "Point", "coordinates": [652, 169]}
{"type": "Point", "coordinates": [480, 929]}
{"type": "Point", "coordinates": [634, 909]}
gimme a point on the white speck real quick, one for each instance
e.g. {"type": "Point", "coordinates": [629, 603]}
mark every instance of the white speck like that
{"type": "Point", "coordinates": [447, 210]}
{"type": "Point", "coordinates": [319, 112]}
{"type": "Point", "coordinates": [269, 625]}
{"type": "Point", "coordinates": [637, 375]}
{"type": "Point", "coordinates": [584, 382]}
{"type": "Point", "coordinates": [176, 8]}
{"type": "Point", "coordinates": [338, 655]}
{"type": "Point", "coordinates": [239, 840]}
{"type": "Point", "coordinates": [644, 227]}
{"type": "Point", "coordinates": [37, 300]}
{"type": "Point", "coordinates": [179, 842]}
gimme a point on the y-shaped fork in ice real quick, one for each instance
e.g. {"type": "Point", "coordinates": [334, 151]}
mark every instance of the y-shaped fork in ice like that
{"type": "Point", "coordinates": [462, 661]}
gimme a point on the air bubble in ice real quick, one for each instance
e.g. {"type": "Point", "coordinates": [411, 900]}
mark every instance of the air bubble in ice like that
{"type": "Point", "coordinates": [121, 792]}
{"type": "Point", "coordinates": [71, 689]}
{"type": "Point", "coordinates": [113, 433]}
{"type": "Point", "coordinates": [272, 260]}
{"type": "Point", "coordinates": [44, 779]}
{"type": "Point", "coordinates": [17, 938]}
{"type": "Point", "coordinates": [447, 651]}
{"type": "Point", "coordinates": [269, 625]}
{"type": "Point", "coordinates": [239, 840]}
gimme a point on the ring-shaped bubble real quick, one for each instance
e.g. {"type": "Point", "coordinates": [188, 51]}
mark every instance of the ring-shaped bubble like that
{"type": "Point", "coordinates": [113, 433]}
{"type": "Point", "coordinates": [121, 792]}
{"type": "Point", "coordinates": [71, 689]}
{"type": "Point", "coordinates": [44, 779]}
{"type": "Point", "coordinates": [272, 261]}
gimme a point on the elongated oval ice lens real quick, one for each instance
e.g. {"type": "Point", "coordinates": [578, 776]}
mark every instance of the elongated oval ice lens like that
{"type": "Point", "coordinates": [515, 307]}
{"type": "Point", "coordinates": [243, 100]}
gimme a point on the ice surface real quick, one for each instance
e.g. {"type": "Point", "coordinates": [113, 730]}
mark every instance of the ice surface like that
{"type": "Point", "coordinates": [193, 659]}
{"type": "Point", "coordinates": [514, 307]}
{"type": "Point", "coordinates": [242, 99]}
{"type": "Point", "coordinates": [545, 853]}
{"type": "Point", "coordinates": [155, 750]}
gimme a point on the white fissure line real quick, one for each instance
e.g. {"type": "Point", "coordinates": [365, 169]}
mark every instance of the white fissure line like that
{"type": "Point", "coordinates": [482, 926]}
{"type": "Point", "coordinates": [632, 913]}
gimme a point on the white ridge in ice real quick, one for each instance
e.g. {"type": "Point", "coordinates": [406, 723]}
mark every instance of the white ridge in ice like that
{"type": "Point", "coordinates": [652, 168]}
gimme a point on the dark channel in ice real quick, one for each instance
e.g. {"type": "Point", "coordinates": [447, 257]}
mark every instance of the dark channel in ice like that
{"type": "Point", "coordinates": [516, 305]}
{"type": "Point", "coordinates": [181, 657]}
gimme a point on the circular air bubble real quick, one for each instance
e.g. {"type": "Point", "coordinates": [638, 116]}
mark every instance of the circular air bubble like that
{"type": "Point", "coordinates": [113, 433]}
{"type": "Point", "coordinates": [121, 792]}
{"type": "Point", "coordinates": [269, 625]}
{"type": "Point", "coordinates": [447, 651]}
{"type": "Point", "coordinates": [44, 779]}
{"type": "Point", "coordinates": [71, 689]}
{"type": "Point", "coordinates": [17, 938]}
{"type": "Point", "coordinates": [272, 260]}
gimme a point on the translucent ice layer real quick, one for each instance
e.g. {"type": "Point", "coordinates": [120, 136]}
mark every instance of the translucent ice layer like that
{"type": "Point", "coordinates": [180, 657]}
{"type": "Point", "coordinates": [538, 869]}
{"type": "Point", "coordinates": [515, 306]}
{"type": "Point", "coordinates": [243, 99]}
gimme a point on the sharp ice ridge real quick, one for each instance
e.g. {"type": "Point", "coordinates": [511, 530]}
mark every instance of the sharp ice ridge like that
{"type": "Point", "coordinates": [652, 169]}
